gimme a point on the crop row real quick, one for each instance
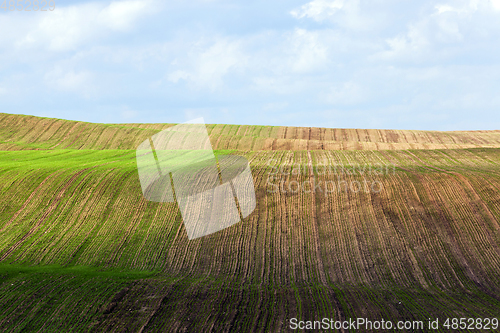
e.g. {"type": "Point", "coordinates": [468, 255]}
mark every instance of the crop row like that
{"type": "Point", "coordinates": [434, 228]}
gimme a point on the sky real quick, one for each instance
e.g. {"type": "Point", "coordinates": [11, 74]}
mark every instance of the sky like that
{"type": "Point", "coordinates": [385, 64]}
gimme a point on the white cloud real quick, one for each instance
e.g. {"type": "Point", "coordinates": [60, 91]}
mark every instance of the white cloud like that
{"type": "Point", "coordinates": [409, 45]}
{"type": "Point", "coordinates": [69, 80]}
{"type": "Point", "coordinates": [69, 27]}
{"type": "Point", "coordinates": [445, 8]}
{"type": "Point", "coordinates": [468, 6]}
{"type": "Point", "coordinates": [495, 4]}
{"type": "Point", "coordinates": [354, 15]}
{"type": "Point", "coordinates": [309, 51]}
{"type": "Point", "coordinates": [460, 7]}
{"type": "Point", "coordinates": [446, 31]}
{"type": "Point", "coordinates": [319, 10]}
{"type": "Point", "coordinates": [207, 65]}
{"type": "Point", "coordinates": [270, 62]}
{"type": "Point", "coordinates": [175, 76]}
{"type": "Point", "coordinates": [122, 15]}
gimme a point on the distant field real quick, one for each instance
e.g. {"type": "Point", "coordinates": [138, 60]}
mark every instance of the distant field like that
{"type": "Point", "coordinates": [29, 132]}
{"type": "Point", "coordinates": [82, 250]}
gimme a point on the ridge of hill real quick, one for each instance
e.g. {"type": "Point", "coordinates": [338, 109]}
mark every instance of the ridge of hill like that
{"type": "Point", "coordinates": [19, 132]}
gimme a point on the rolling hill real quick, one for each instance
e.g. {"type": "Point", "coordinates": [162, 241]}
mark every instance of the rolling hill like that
{"type": "Point", "coordinates": [405, 226]}
{"type": "Point", "coordinates": [29, 132]}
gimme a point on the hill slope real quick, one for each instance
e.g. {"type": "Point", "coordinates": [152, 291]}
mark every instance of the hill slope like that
{"type": "Point", "coordinates": [29, 132]}
{"type": "Point", "coordinates": [82, 250]}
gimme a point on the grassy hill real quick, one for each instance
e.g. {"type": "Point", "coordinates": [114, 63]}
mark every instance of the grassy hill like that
{"type": "Point", "coordinates": [29, 132]}
{"type": "Point", "coordinates": [82, 250]}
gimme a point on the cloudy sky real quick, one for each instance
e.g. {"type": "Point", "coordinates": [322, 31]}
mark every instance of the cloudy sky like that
{"type": "Point", "coordinates": [395, 64]}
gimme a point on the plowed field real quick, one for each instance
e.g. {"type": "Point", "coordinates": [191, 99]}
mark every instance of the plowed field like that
{"type": "Point", "coordinates": [393, 225]}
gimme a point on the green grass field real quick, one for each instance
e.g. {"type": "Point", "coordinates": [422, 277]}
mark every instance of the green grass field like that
{"type": "Point", "coordinates": [81, 250]}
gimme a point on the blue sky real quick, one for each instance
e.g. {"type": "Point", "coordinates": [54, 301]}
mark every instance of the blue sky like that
{"type": "Point", "coordinates": [385, 64]}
